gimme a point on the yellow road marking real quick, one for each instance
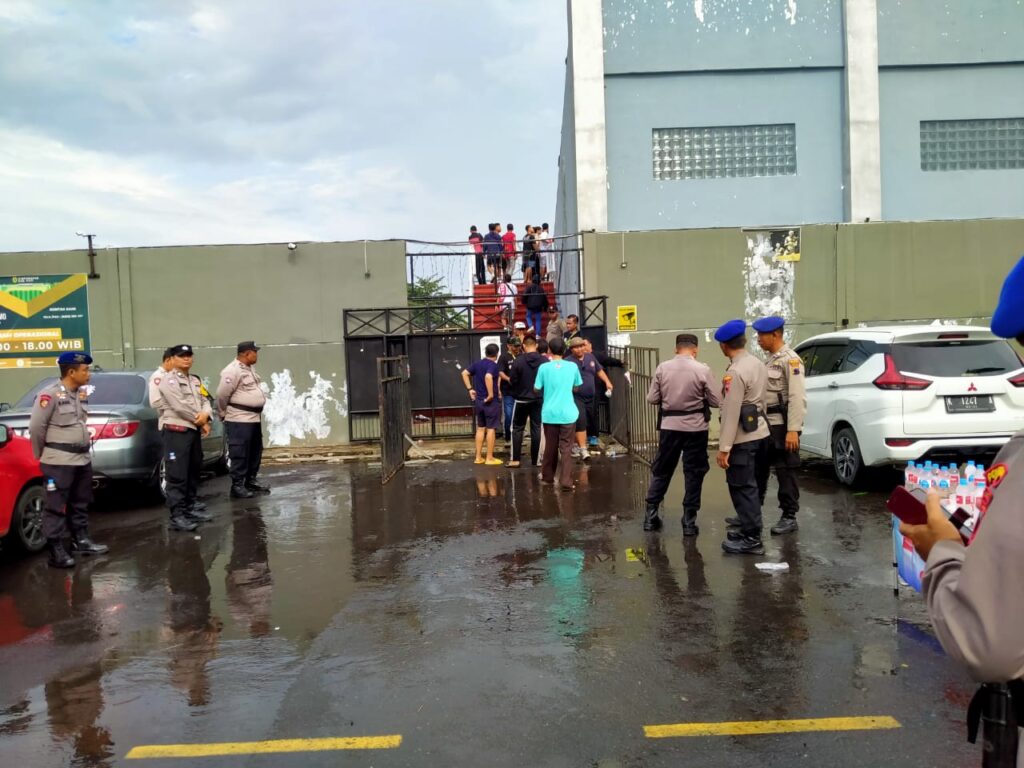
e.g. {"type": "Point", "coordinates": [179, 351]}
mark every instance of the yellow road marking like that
{"type": "Point", "coordinates": [264, 747]}
{"type": "Point", "coordinates": [756, 727]}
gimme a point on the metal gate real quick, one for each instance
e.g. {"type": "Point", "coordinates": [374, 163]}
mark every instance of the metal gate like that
{"type": "Point", "coordinates": [634, 421]}
{"type": "Point", "coordinates": [395, 413]}
{"type": "Point", "coordinates": [439, 343]}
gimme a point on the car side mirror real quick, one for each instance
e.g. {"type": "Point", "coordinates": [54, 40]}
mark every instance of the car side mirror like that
{"type": "Point", "coordinates": [5, 435]}
{"type": "Point", "coordinates": [5, 407]}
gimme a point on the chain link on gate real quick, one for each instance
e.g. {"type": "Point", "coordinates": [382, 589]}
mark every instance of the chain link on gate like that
{"type": "Point", "coordinates": [395, 413]}
{"type": "Point", "coordinates": [634, 421]}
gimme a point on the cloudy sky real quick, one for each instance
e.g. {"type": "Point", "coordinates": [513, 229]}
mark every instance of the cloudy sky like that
{"type": "Point", "coordinates": [174, 121]}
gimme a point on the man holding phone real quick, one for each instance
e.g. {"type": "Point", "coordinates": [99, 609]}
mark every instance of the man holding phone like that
{"type": "Point", "coordinates": [974, 593]}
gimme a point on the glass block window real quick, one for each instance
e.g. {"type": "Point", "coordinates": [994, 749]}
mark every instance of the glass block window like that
{"type": "Point", "coordinates": [724, 151]}
{"type": "Point", "coordinates": [972, 145]}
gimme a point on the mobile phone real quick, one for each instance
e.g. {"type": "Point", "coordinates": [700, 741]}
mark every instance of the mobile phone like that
{"type": "Point", "coordinates": [908, 506]}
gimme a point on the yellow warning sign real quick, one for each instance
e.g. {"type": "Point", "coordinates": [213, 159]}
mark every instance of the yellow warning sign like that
{"type": "Point", "coordinates": [627, 317]}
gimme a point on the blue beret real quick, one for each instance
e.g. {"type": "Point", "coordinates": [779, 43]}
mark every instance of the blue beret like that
{"type": "Point", "coordinates": [768, 324]}
{"type": "Point", "coordinates": [730, 330]}
{"type": "Point", "coordinates": [74, 358]}
{"type": "Point", "coordinates": [1008, 319]}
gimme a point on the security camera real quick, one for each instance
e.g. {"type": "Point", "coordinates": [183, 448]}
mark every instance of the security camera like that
{"type": "Point", "coordinates": [292, 246]}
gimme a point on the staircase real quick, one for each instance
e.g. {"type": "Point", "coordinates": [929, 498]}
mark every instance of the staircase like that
{"type": "Point", "coordinates": [487, 308]}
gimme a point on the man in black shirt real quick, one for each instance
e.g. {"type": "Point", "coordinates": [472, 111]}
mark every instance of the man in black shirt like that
{"type": "Point", "coordinates": [512, 350]}
{"type": "Point", "coordinates": [527, 401]}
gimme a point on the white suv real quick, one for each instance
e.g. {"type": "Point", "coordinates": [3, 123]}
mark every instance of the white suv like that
{"type": "Point", "coordinates": [886, 395]}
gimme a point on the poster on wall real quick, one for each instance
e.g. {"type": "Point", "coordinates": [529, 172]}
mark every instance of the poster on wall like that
{"type": "Point", "coordinates": [785, 244]}
{"type": "Point", "coordinates": [42, 316]}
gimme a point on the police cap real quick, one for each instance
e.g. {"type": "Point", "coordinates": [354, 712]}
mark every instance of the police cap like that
{"type": "Point", "coordinates": [1008, 319]}
{"type": "Point", "coordinates": [247, 346]}
{"type": "Point", "coordinates": [181, 350]}
{"type": "Point", "coordinates": [768, 324]}
{"type": "Point", "coordinates": [74, 358]}
{"type": "Point", "coordinates": [730, 330]}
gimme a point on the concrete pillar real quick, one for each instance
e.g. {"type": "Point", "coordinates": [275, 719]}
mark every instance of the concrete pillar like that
{"type": "Point", "coordinates": [586, 50]}
{"type": "Point", "coordinates": [862, 161]}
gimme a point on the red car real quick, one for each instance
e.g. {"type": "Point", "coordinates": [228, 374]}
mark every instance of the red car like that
{"type": "Point", "coordinates": [21, 493]}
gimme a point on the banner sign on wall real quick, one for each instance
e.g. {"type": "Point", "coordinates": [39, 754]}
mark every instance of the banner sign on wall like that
{"type": "Point", "coordinates": [42, 316]}
{"type": "Point", "coordinates": [626, 316]}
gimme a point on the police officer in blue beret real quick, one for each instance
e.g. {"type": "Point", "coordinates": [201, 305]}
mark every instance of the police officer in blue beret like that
{"type": "Point", "coordinates": [786, 406]}
{"type": "Point", "coordinates": [973, 593]}
{"type": "Point", "coordinates": [744, 436]}
{"type": "Point", "coordinates": [61, 442]}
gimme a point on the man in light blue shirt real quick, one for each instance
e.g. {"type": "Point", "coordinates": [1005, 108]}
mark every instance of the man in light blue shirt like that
{"type": "Point", "coordinates": [557, 381]}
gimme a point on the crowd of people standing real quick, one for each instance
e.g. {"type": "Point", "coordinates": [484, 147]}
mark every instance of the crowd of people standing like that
{"type": "Point", "coordinates": [553, 385]}
{"type": "Point", "coordinates": [496, 254]}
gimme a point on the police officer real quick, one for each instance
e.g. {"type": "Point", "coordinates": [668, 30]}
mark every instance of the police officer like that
{"type": "Point", "coordinates": [685, 391]}
{"type": "Point", "coordinates": [786, 407]}
{"type": "Point", "coordinates": [240, 401]}
{"type": "Point", "coordinates": [154, 383]}
{"type": "Point", "coordinates": [973, 593]}
{"type": "Point", "coordinates": [186, 418]}
{"type": "Point", "coordinates": [61, 442]}
{"type": "Point", "coordinates": [744, 436]}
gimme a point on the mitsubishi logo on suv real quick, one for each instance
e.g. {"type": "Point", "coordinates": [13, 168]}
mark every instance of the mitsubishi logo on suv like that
{"type": "Point", "coordinates": [972, 388]}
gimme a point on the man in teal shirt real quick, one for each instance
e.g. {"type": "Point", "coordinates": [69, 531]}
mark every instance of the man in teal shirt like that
{"type": "Point", "coordinates": [557, 381]}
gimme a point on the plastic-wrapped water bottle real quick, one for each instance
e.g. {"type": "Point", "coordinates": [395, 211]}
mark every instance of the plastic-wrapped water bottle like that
{"type": "Point", "coordinates": [910, 476]}
{"type": "Point", "coordinates": [954, 477]}
{"type": "Point", "coordinates": [943, 488]}
{"type": "Point", "coordinates": [969, 471]}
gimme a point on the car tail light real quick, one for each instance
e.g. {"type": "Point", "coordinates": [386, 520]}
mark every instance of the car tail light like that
{"type": "Point", "coordinates": [114, 430]}
{"type": "Point", "coordinates": [948, 336]}
{"type": "Point", "coordinates": [1018, 380]}
{"type": "Point", "coordinates": [899, 442]}
{"type": "Point", "coordinates": [891, 378]}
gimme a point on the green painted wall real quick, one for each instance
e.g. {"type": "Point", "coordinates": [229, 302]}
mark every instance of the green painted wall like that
{"type": "Point", "coordinates": [290, 302]}
{"type": "Point", "coordinates": [694, 280]}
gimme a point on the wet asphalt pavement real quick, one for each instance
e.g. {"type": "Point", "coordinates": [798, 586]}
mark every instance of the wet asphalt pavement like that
{"type": "Point", "coordinates": [488, 620]}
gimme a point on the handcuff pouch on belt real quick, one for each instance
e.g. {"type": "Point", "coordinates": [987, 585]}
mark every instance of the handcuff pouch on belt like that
{"type": "Point", "coordinates": [749, 417]}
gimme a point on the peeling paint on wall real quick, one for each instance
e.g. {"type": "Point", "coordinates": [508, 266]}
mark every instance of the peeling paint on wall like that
{"type": "Point", "coordinates": [769, 282]}
{"type": "Point", "coordinates": [290, 414]}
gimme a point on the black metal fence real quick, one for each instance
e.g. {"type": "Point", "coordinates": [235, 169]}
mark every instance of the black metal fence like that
{"type": "Point", "coordinates": [632, 420]}
{"type": "Point", "coordinates": [437, 351]}
{"type": "Point", "coordinates": [395, 413]}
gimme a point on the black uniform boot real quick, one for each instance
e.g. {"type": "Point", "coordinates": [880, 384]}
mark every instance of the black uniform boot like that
{"type": "Point", "coordinates": [733, 522]}
{"type": "Point", "coordinates": [690, 523]}
{"type": "Point", "coordinates": [83, 545]}
{"type": "Point", "coordinates": [196, 514]}
{"type": "Point", "coordinates": [241, 492]}
{"type": "Point", "coordinates": [745, 545]}
{"type": "Point", "coordinates": [785, 525]}
{"type": "Point", "coordinates": [59, 557]}
{"type": "Point", "coordinates": [734, 534]}
{"type": "Point", "coordinates": [181, 523]}
{"type": "Point", "coordinates": [255, 487]}
{"type": "Point", "coordinates": [197, 506]}
{"type": "Point", "coordinates": [652, 521]}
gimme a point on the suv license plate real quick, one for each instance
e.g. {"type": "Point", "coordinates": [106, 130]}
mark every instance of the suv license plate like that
{"type": "Point", "coordinates": [970, 404]}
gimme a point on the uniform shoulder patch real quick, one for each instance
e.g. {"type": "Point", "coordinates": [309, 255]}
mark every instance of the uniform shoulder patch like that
{"type": "Point", "coordinates": [996, 475]}
{"type": "Point", "coordinates": [44, 401]}
{"type": "Point", "coordinates": [157, 381]}
{"type": "Point", "coordinates": [794, 362]}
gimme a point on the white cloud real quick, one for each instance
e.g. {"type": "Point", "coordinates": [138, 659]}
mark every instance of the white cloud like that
{"type": "Point", "coordinates": [235, 121]}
